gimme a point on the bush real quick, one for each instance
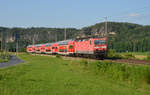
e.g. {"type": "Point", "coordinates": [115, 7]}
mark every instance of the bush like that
{"type": "Point", "coordinates": [148, 57]}
{"type": "Point", "coordinates": [111, 52]}
{"type": "Point", "coordinates": [58, 56]}
{"type": "Point", "coordinates": [113, 55]}
{"type": "Point", "coordinates": [129, 56]}
{"type": "Point", "coordinates": [84, 62]}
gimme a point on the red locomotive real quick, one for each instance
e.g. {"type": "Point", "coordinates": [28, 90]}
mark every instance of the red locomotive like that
{"type": "Point", "coordinates": [89, 46]}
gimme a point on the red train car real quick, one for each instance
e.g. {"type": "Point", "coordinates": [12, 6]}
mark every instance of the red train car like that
{"type": "Point", "coordinates": [37, 48]}
{"type": "Point", "coordinates": [42, 48]}
{"type": "Point", "coordinates": [33, 48]}
{"type": "Point", "coordinates": [54, 48]}
{"type": "Point", "coordinates": [29, 49]}
{"type": "Point", "coordinates": [91, 46]}
{"type": "Point", "coordinates": [48, 48]}
{"type": "Point", "coordinates": [66, 47]}
{"type": "Point", "coordinates": [71, 47]}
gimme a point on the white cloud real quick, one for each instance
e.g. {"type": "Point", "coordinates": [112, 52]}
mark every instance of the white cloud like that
{"type": "Point", "coordinates": [133, 14]}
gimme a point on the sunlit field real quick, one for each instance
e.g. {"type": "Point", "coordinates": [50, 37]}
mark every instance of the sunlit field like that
{"type": "Point", "coordinates": [44, 75]}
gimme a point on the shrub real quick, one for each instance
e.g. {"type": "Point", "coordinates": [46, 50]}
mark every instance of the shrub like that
{"type": "Point", "coordinates": [111, 52]}
{"type": "Point", "coordinates": [58, 56]}
{"type": "Point", "coordinates": [113, 55]}
{"type": "Point", "coordinates": [148, 56]}
{"type": "Point", "coordinates": [129, 56]}
{"type": "Point", "coordinates": [84, 62]}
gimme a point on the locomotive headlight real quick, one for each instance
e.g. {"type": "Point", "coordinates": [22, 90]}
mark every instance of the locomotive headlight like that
{"type": "Point", "coordinates": [97, 47]}
{"type": "Point", "coordinates": [101, 47]}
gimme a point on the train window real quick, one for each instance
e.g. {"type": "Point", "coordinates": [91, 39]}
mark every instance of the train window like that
{"type": "Point", "coordinates": [54, 47]}
{"type": "Point", "coordinates": [99, 42]}
{"type": "Point", "coordinates": [71, 47]}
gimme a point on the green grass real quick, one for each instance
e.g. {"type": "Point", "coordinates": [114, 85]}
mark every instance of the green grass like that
{"type": "Point", "coordinates": [43, 75]}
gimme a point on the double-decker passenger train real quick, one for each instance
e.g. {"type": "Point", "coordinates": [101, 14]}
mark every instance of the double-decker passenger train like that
{"type": "Point", "coordinates": [88, 46]}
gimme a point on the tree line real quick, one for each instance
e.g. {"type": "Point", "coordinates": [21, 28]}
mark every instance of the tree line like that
{"type": "Point", "coordinates": [126, 37]}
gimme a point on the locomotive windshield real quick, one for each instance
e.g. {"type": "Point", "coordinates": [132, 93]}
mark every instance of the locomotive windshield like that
{"type": "Point", "coordinates": [99, 42]}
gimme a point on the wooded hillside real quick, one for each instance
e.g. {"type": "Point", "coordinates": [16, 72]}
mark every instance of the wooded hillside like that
{"type": "Point", "coordinates": [124, 36]}
{"type": "Point", "coordinates": [121, 36]}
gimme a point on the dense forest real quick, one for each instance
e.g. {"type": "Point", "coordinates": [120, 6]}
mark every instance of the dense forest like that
{"type": "Point", "coordinates": [122, 37]}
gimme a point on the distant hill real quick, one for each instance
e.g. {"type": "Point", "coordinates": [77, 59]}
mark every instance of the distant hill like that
{"type": "Point", "coordinates": [121, 36]}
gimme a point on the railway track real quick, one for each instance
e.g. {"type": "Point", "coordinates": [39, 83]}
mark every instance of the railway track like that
{"type": "Point", "coordinates": [127, 61]}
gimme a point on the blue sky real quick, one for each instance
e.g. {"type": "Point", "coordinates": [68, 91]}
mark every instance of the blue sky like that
{"type": "Point", "coordinates": [71, 13]}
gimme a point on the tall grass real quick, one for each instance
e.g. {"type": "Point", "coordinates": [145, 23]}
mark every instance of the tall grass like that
{"type": "Point", "coordinates": [58, 56]}
{"type": "Point", "coordinates": [112, 54]}
{"type": "Point", "coordinates": [128, 56]}
{"type": "Point", "coordinates": [122, 72]}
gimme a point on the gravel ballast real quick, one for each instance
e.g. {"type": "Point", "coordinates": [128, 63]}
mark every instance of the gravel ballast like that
{"type": "Point", "coordinates": [13, 61]}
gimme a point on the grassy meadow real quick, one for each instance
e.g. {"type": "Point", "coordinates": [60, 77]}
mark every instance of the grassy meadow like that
{"type": "Point", "coordinates": [44, 75]}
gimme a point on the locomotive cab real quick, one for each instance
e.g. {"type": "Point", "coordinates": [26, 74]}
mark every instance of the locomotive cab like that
{"type": "Point", "coordinates": [100, 46]}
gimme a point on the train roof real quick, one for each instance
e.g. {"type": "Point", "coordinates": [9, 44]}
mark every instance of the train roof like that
{"type": "Point", "coordinates": [38, 45]}
{"type": "Point", "coordinates": [29, 46]}
{"type": "Point", "coordinates": [48, 44]}
{"type": "Point", "coordinates": [65, 42]}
